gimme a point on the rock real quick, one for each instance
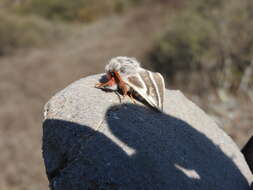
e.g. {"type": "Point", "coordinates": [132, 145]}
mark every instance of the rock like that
{"type": "Point", "coordinates": [248, 153]}
{"type": "Point", "coordinates": [91, 141]}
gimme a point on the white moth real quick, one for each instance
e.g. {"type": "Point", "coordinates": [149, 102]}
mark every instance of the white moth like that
{"type": "Point", "coordinates": [126, 74]}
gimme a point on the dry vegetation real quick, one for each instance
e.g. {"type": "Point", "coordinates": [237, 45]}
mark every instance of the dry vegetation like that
{"type": "Point", "coordinates": [40, 56]}
{"type": "Point", "coordinates": [207, 49]}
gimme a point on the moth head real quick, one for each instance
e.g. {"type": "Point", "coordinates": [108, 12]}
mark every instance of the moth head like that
{"type": "Point", "coordinates": [110, 82]}
{"type": "Point", "coordinates": [122, 65]}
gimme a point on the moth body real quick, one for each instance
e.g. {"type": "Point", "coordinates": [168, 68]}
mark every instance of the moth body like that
{"type": "Point", "coordinates": [126, 74]}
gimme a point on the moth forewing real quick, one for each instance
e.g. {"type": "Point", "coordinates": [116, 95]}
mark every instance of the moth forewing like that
{"type": "Point", "coordinates": [160, 86]}
{"type": "Point", "coordinates": [149, 85]}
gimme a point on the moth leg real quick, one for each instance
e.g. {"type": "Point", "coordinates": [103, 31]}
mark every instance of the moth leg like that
{"type": "Point", "coordinates": [124, 89]}
{"type": "Point", "coordinates": [110, 82]}
{"type": "Point", "coordinates": [121, 84]}
{"type": "Point", "coordinates": [119, 96]}
{"type": "Point", "coordinates": [132, 98]}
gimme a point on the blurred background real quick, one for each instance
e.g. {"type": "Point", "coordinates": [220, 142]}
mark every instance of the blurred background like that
{"type": "Point", "coordinates": [202, 47]}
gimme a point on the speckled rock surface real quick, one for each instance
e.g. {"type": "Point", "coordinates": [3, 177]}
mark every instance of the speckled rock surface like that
{"type": "Point", "coordinates": [91, 141]}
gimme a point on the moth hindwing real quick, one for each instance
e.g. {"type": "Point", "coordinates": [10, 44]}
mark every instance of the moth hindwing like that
{"type": "Point", "coordinates": [149, 85]}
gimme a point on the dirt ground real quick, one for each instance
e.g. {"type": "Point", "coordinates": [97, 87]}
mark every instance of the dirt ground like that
{"type": "Point", "coordinates": [30, 78]}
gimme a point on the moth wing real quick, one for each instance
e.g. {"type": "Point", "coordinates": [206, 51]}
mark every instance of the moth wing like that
{"type": "Point", "coordinates": [138, 86]}
{"type": "Point", "coordinates": [160, 86]}
{"type": "Point", "coordinates": [149, 85]}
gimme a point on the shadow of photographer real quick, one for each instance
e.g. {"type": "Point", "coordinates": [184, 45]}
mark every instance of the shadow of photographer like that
{"type": "Point", "coordinates": [136, 148]}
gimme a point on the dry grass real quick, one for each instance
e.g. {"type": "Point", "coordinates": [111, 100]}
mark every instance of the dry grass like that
{"type": "Point", "coordinates": [26, 32]}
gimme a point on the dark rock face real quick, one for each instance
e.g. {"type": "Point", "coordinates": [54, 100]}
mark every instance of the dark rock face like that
{"type": "Point", "coordinates": [248, 153]}
{"type": "Point", "coordinates": [93, 142]}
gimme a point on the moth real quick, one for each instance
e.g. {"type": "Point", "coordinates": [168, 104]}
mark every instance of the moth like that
{"type": "Point", "coordinates": [126, 74]}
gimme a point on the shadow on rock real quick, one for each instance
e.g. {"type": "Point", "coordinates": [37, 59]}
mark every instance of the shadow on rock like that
{"type": "Point", "coordinates": [136, 149]}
